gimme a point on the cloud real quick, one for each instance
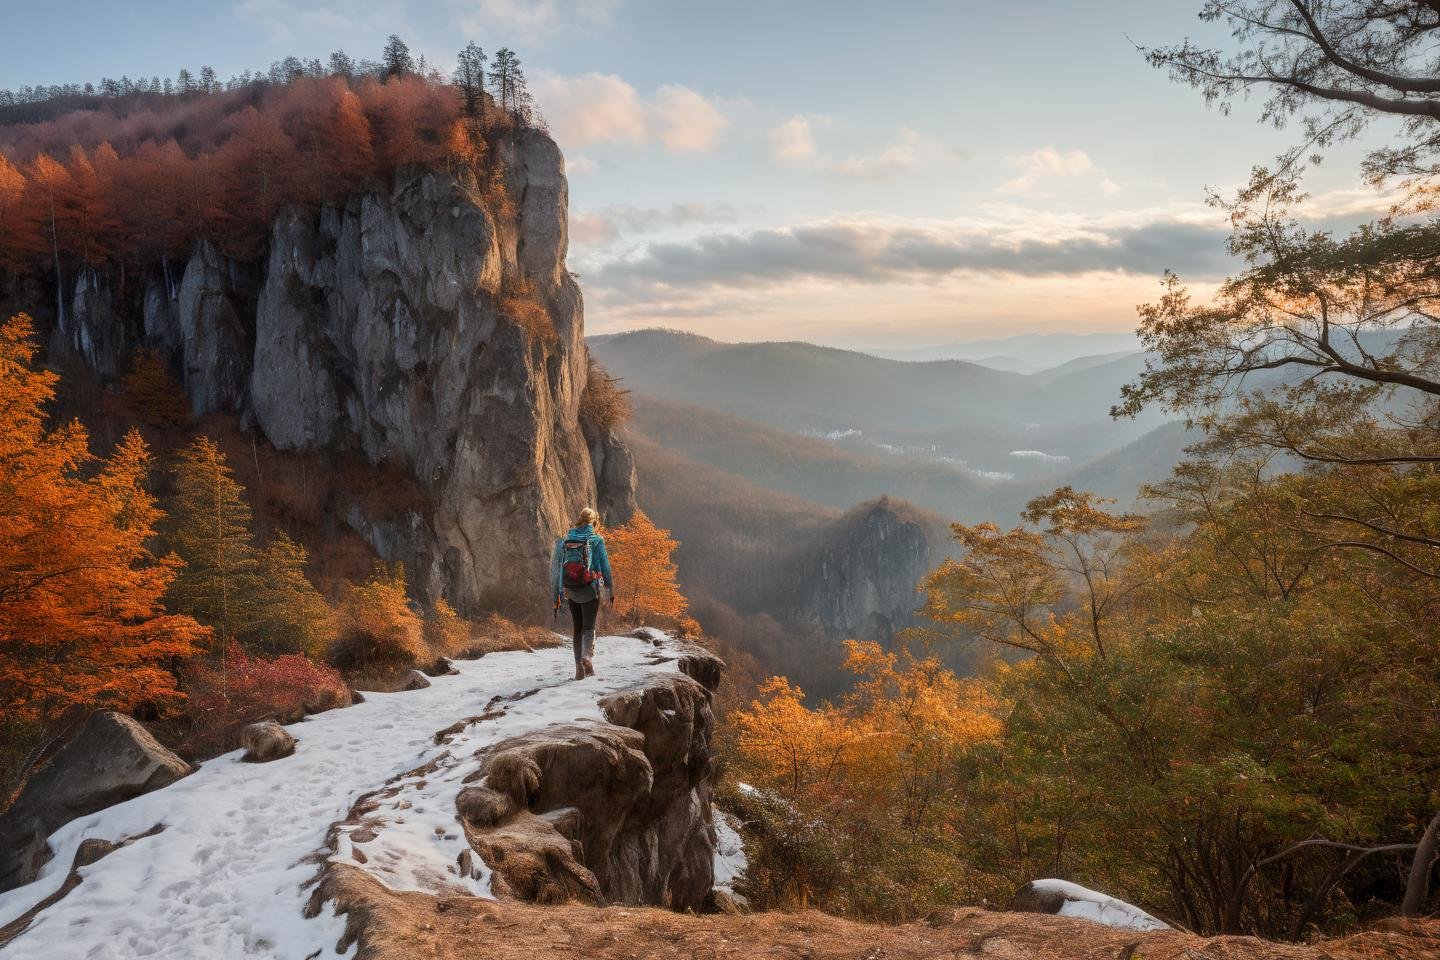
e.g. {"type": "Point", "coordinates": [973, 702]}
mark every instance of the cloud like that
{"type": "Point", "coordinates": [596, 108]}
{"type": "Point", "coordinates": [509, 21]}
{"type": "Point", "coordinates": [578, 166]}
{"type": "Point", "coordinates": [684, 121]}
{"type": "Point", "coordinates": [1047, 163]}
{"type": "Point", "coordinates": [592, 229]}
{"type": "Point", "coordinates": [896, 159]}
{"type": "Point", "coordinates": [879, 252]}
{"type": "Point", "coordinates": [601, 108]}
{"type": "Point", "coordinates": [607, 224]}
{"type": "Point", "coordinates": [792, 144]}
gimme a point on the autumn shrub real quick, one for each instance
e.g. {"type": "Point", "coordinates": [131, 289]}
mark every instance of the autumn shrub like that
{"type": "Point", "coordinates": [521, 303]}
{"type": "Point", "coordinates": [377, 628]}
{"type": "Point", "coordinates": [446, 632]}
{"type": "Point", "coordinates": [849, 805]}
{"type": "Point", "coordinates": [225, 695]}
{"type": "Point", "coordinates": [646, 577]}
{"type": "Point", "coordinates": [603, 403]}
{"type": "Point", "coordinates": [494, 633]}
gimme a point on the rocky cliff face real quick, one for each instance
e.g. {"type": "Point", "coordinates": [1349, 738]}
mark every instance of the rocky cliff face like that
{"type": "Point", "coordinates": [387, 324]}
{"type": "Point", "coordinates": [857, 578]}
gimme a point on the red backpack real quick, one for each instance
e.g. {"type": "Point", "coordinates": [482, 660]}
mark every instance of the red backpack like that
{"type": "Point", "coordinates": [575, 562]}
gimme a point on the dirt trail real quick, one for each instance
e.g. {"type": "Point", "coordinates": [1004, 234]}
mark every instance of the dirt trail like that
{"type": "Point", "coordinates": [412, 926]}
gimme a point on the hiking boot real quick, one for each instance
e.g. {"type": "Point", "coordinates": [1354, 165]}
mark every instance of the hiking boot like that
{"type": "Point", "coordinates": [588, 667]}
{"type": "Point", "coordinates": [580, 669]}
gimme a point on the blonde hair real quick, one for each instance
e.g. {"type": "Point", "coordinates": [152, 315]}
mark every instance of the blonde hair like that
{"type": "Point", "coordinates": [589, 517]}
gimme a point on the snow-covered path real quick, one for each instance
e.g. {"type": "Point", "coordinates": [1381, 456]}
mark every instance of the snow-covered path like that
{"type": "Point", "coordinates": [224, 879]}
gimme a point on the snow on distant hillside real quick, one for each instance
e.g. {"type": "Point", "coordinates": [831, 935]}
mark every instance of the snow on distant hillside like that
{"type": "Point", "coordinates": [224, 878]}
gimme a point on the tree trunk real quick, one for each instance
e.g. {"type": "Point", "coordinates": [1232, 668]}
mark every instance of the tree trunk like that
{"type": "Point", "coordinates": [1418, 887]}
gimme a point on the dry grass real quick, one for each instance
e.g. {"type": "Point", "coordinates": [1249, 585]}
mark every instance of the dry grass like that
{"type": "Point", "coordinates": [399, 926]}
{"type": "Point", "coordinates": [521, 303]}
{"type": "Point", "coordinates": [603, 403]}
{"type": "Point", "coordinates": [496, 634]}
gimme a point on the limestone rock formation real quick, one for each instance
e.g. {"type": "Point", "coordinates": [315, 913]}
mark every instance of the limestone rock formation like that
{"type": "Point", "coordinates": [857, 579]}
{"type": "Point", "coordinates": [266, 741]}
{"type": "Point", "coordinates": [427, 326]}
{"type": "Point", "coordinates": [112, 759]}
{"type": "Point", "coordinates": [605, 812]}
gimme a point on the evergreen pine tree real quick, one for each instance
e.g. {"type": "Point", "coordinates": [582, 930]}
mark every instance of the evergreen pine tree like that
{"type": "Point", "coordinates": [502, 77]}
{"type": "Point", "coordinates": [470, 78]}
{"type": "Point", "coordinates": [341, 65]}
{"type": "Point", "coordinates": [396, 58]}
{"type": "Point", "coordinates": [210, 530]}
{"type": "Point", "coordinates": [290, 614]}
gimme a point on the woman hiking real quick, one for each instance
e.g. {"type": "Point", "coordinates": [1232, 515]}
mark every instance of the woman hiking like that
{"type": "Point", "coordinates": [579, 568]}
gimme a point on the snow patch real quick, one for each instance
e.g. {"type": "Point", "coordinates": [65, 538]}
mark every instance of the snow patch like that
{"type": "Point", "coordinates": [730, 859]}
{"type": "Point", "coordinates": [227, 878]}
{"type": "Point", "coordinates": [1099, 907]}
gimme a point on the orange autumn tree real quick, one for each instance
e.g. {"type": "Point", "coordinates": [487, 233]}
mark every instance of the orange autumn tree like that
{"type": "Point", "coordinates": [852, 806]}
{"type": "Point", "coordinates": [640, 555]}
{"type": "Point", "coordinates": [81, 619]}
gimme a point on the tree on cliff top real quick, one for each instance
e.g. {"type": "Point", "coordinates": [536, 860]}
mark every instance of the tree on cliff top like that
{"type": "Point", "coordinates": [470, 78]}
{"type": "Point", "coordinates": [396, 57]}
{"type": "Point", "coordinates": [81, 618]}
{"type": "Point", "coordinates": [508, 82]}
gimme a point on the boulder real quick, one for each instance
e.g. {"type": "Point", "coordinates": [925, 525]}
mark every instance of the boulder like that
{"type": "Point", "coordinates": [442, 667]}
{"type": "Point", "coordinates": [414, 680]}
{"type": "Point", "coordinates": [266, 741]}
{"type": "Point", "coordinates": [623, 803]}
{"type": "Point", "coordinates": [112, 759]}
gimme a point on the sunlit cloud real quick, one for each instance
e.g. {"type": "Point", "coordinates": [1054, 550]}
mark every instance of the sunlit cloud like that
{"type": "Point", "coordinates": [793, 144]}
{"type": "Point", "coordinates": [861, 251]}
{"type": "Point", "coordinates": [1048, 163]}
{"type": "Point", "coordinates": [578, 166]}
{"type": "Point", "coordinates": [608, 224]}
{"type": "Point", "coordinates": [602, 108]}
{"type": "Point", "coordinates": [892, 161]}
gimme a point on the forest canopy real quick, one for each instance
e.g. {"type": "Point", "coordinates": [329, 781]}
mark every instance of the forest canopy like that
{"type": "Point", "coordinates": [131, 174]}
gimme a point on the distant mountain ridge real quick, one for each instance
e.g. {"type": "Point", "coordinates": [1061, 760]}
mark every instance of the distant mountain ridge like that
{"type": "Point", "coordinates": [1021, 353]}
{"type": "Point", "coordinates": [956, 412]}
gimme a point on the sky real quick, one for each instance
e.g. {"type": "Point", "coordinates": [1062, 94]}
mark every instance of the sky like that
{"type": "Point", "coordinates": [861, 174]}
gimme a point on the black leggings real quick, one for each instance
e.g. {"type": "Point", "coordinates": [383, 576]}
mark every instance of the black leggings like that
{"type": "Point", "coordinates": [583, 615]}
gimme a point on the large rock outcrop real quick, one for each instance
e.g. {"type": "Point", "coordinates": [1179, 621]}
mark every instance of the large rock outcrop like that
{"type": "Point", "coordinates": [429, 326]}
{"type": "Point", "coordinates": [112, 759]}
{"type": "Point", "coordinates": [857, 577]}
{"type": "Point", "coordinates": [605, 812]}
